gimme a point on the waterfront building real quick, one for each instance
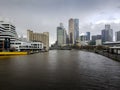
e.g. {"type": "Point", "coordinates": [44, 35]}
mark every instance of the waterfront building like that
{"type": "Point", "coordinates": [7, 34]}
{"type": "Point", "coordinates": [107, 34]}
{"type": "Point", "coordinates": [114, 50]}
{"type": "Point", "coordinates": [114, 47]}
{"type": "Point", "coordinates": [73, 30]}
{"type": "Point", "coordinates": [26, 46]}
{"type": "Point", "coordinates": [112, 44]}
{"type": "Point", "coordinates": [39, 37]}
{"type": "Point", "coordinates": [117, 35]}
{"type": "Point", "coordinates": [10, 30]}
{"type": "Point", "coordinates": [61, 35]}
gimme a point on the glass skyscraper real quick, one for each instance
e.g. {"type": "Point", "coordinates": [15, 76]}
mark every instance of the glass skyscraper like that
{"type": "Point", "coordinates": [61, 35]}
{"type": "Point", "coordinates": [107, 34]}
{"type": "Point", "coordinates": [117, 36]}
{"type": "Point", "coordinates": [88, 36]}
{"type": "Point", "coordinates": [73, 30]}
{"type": "Point", "coordinates": [76, 29]}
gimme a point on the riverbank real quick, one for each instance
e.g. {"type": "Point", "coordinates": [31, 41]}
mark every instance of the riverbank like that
{"type": "Point", "coordinates": [115, 57]}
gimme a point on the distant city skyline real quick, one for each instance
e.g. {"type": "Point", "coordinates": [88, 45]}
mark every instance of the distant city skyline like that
{"type": "Point", "coordinates": [45, 15]}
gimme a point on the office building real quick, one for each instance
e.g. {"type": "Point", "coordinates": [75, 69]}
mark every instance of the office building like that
{"type": "Point", "coordinates": [99, 36]}
{"type": "Point", "coordinates": [88, 36]}
{"type": "Point", "coordinates": [73, 30]}
{"type": "Point", "coordinates": [76, 27]}
{"type": "Point", "coordinates": [98, 42]}
{"type": "Point", "coordinates": [96, 39]}
{"type": "Point", "coordinates": [107, 34]}
{"type": "Point", "coordinates": [10, 30]}
{"type": "Point", "coordinates": [83, 37]}
{"type": "Point", "coordinates": [7, 35]}
{"type": "Point", "coordinates": [117, 35]}
{"type": "Point", "coordinates": [61, 35]}
{"type": "Point", "coordinates": [82, 40]}
{"type": "Point", "coordinates": [39, 37]}
{"type": "Point", "coordinates": [67, 39]}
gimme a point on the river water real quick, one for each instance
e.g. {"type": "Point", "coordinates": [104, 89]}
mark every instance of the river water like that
{"type": "Point", "coordinates": [59, 70]}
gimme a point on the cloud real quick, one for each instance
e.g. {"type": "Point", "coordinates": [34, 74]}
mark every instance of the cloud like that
{"type": "Point", "coordinates": [118, 7]}
{"type": "Point", "coordinates": [45, 15]}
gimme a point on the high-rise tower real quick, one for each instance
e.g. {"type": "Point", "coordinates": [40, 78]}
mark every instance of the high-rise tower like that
{"type": "Point", "coordinates": [61, 35]}
{"type": "Point", "coordinates": [117, 36]}
{"type": "Point", "coordinates": [107, 34]}
{"type": "Point", "coordinates": [73, 30]}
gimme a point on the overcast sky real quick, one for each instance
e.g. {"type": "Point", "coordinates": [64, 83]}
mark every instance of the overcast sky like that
{"type": "Point", "coordinates": [45, 15]}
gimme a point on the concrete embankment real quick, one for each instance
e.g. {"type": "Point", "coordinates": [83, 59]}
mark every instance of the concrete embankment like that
{"type": "Point", "coordinates": [109, 55]}
{"type": "Point", "coordinates": [106, 54]}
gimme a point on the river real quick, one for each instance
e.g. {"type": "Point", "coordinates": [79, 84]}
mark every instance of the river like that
{"type": "Point", "coordinates": [59, 70]}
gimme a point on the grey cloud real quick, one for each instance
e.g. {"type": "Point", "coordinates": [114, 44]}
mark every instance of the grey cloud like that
{"type": "Point", "coordinates": [45, 15]}
{"type": "Point", "coordinates": [96, 28]}
{"type": "Point", "coordinates": [54, 5]}
{"type": "Point", "coordinates": [118, 7]}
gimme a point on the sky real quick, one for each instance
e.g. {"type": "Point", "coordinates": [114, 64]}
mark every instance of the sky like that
{"type": "Point", "coordinates": [45, 15]}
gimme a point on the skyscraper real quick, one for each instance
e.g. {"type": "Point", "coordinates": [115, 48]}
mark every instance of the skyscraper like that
{"type": "Point", "coordinates": [73, 30]}
{"type": "Point", "coordinates": [94, 38]}
{"type": "Point", "coordinates": [107, 34]}
{"type": "Point", "coordinates": [65, 36]}
{"type": "Point", "coordinates": [88, 36]}
{"type": "Point", "coordinates": [61, 35]}
{"type": "Point", "coordinates": [117, 36]}
{"type": "Point", "coordinates": [76, 28]}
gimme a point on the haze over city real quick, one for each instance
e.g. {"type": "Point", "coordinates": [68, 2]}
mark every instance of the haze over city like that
{"type": "Point", "coordinates": [44, 15]}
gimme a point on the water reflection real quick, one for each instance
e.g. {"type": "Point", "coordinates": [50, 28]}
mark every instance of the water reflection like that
{"type": "Point", "coordinates": [5, 57]}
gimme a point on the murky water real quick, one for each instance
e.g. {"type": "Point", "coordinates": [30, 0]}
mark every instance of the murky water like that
{"type": "Point", "coordinates": [59, 70]}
